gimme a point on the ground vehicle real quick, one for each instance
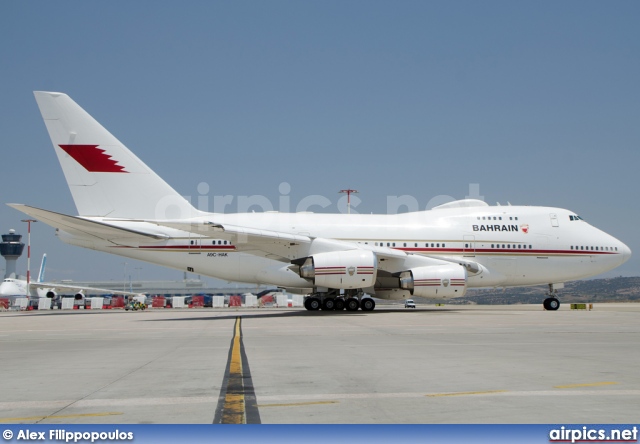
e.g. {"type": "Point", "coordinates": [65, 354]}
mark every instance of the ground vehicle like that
{"type": "Point", "coordinates": [409, 303]}
{"type": "Point", "coordinates": [135, 306]}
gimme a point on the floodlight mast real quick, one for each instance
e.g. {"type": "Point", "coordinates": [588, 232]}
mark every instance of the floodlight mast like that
{"type": "Point", "coordinates": [349, 192]}
{"type": "Point", "coordinates": [28, 221]}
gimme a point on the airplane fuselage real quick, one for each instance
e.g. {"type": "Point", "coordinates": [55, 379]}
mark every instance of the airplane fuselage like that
{"type": "Point", "coordinates": [516, 245]}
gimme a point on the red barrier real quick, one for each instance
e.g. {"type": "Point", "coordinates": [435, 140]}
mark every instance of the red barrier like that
{"type": "Point", "coordinates": [235, 301]}
{"type": "Point", "coordinates": [266, 300]}
{"type": "Point", "coordinates": [117, 302]}
{"type": "Point", "coordinates": [157, 302]}
{"type": "Point", "coordinates": [4, 303]}
{"type": "Point", "coordinates": [197, 301]}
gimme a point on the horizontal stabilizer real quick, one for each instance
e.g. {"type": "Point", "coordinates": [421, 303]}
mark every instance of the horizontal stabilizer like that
{"type": "Point", "coordinates": [88, 228]}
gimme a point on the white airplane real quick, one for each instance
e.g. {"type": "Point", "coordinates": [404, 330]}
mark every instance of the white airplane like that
{"type": "Point", "coordinates": [42, 289]}
{"type": "Point", "coordinates": [126, 209]}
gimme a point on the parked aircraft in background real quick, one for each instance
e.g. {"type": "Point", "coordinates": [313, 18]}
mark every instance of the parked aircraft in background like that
{"type": "Point", "coordinates": [126, 209]}
{"type": "Point", "coordinates": [42, 289]}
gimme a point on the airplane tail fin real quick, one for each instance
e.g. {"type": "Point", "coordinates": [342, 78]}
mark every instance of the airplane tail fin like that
{"type": "Point", "coordinates": [105, 178]}
{"type": "Point", "coordinates": [42, 265]}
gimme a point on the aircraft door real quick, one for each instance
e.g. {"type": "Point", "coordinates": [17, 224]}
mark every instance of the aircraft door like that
{"type": "Point", "coordinates": [554, 220]}
{"type": "Point", "coordinates": [469, 246]}
{"type": "Point", "coordinates": [195, 245]}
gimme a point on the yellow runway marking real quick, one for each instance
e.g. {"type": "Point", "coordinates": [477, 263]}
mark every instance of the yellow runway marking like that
{"type": "Point", "coordinates": [593, 384]}
{"type": "Point", "coordinates": [39, 418]}
{"type": "Point", "coordinates": [295, 404]}
{"type": "Point", "coordinates": [438, 395]}
{"type": "Point", "coordinates": [234, 408]}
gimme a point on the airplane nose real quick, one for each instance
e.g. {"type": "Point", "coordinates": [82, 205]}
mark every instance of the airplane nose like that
{"type": "Point", "coordinates": [626, 253]}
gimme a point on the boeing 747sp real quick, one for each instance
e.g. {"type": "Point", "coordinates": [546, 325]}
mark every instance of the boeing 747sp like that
{"type": "Point", "coordinates": [124, 208]}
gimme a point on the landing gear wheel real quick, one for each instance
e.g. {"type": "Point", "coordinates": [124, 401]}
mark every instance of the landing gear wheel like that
{"type": "Point", "coordinates": [551, 304]}
{"type": "Point", "coordinates": [352, 304]}
{"type": "Point", "coordinates": [313, 304]}
{"type": "Point", "coordinates": [367, 304]}
{"type": "Point", "coordinates": [329, 304]}
{"type": "Point", "coordinates": [339, 304]}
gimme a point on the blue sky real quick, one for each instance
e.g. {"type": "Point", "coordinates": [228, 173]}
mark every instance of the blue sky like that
{"type": "Point", "coordinates": [537, 102]}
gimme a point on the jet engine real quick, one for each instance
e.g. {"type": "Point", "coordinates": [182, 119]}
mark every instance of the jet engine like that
{"type": "Point", "coordinates": [440, 281]}
{"type": "Point", "coordinates": [51, 294]}
{"type": "Point", "coordinates": [340, 269]}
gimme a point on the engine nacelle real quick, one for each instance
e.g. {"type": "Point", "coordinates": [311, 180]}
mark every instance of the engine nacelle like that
{"type": "Point", "coordinates": [78, 297]}
{"type": "Point", "coordinates": [439, 281]}
{"type": "Point", "coordinates": [51, 294]}
{"type": "Point", "coordinates": [341, 269]}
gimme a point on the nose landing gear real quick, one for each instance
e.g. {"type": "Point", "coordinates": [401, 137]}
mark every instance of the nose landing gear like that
{"type": "Point", "coordinates": [551, 302]}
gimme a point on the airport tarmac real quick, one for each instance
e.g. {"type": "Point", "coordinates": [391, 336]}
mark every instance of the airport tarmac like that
{"type": "Point", "coordinates": [451, 364]}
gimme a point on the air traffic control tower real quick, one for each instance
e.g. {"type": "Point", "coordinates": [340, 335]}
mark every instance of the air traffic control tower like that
{"type": "Point", "coordinates": [11, 249]}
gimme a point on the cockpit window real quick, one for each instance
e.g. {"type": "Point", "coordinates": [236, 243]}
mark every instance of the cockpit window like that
{"type": "Point", "coordinates": [572, 217]}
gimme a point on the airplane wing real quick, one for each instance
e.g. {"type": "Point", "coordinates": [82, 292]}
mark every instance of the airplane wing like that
{"type": "Point", "coordinates": [286, 247]}
{"type": "Point", "coordinates": [66, 289]}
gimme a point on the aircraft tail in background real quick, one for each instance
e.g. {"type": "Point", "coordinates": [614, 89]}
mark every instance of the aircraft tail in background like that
{"type": "Point", "coordinates": [43, 264]}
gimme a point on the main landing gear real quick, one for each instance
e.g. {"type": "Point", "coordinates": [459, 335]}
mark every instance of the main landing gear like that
{"type": "Point", "coordinates": [333, 301]}
{"type": "Point", "coordinates": [551, 302]}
